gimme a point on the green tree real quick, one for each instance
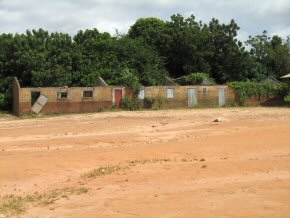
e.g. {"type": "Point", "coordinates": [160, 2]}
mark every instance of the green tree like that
{"type": "Point", "coordinates": [270, 52]}
{"type": "Point", "coordinates": [230, 61]}
{"type": "Point", "coordinates": [149, 29]}
{"type": "Point", "coordinates": [126, 77]}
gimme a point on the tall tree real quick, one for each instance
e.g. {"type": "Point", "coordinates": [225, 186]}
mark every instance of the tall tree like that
{"type": "Point", "coordinates": [271, 53]}
{"type": "Point", "coordinates": [230, 60]}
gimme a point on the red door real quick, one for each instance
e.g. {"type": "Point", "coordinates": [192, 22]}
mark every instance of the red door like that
{"type": "Point", "coordinates": [118, 97]}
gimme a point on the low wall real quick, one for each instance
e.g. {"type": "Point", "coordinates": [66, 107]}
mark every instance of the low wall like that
{"type": "Point", "coordinates": [264, 101]}
{"type": "Point", "coordinates": [103, 97]}
{"type": "Point", "coordinates": [208, 99]}
{"type": "Point", "coordinates": [75, 102]}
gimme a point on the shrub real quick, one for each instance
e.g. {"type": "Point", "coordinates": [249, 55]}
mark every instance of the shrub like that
{"type": "Point", "coordinates": [102, 171]}
{"type": "Point", "coordinates": [131, 104]}
{"type": "Point", "coordinates": [197, 78]}
{"type": "Point", "coordinates": [287, 99]}
{"type": "Point", "coordinates": [6, 100]}
{"type": "Point", "coordinates": [2, 100]}
{"type": "Point", "coordinates": [148, 102]}
{"type": "Point", "coordinates": [245, 90]}
{"type": "Point", "coordinates": [127, 77]}
{"type": "Point", "coordinates": [160, 101]}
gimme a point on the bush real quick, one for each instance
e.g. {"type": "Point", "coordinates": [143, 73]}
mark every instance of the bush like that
{"type": "Point", "coordinates": [197, 78]}
{"type": "Point", "coordinates": [6, 100]}
{"type": "Point", "coordinates": [245, 90]}
{"type": "Point", "coordinates": [131, 104]}
{"type": "Point", "coordinates": [126, 77]}
{"type": "Point", "coordinates": [148, 102]}
{"type": "Point", "coordinates": [2, 100]}
{"type": "Point", "coordinates": [160, 101]}
{"type": "Point", "coordinates": [287, 99]}
{"type": "Point", "coordinates": [6, 95]}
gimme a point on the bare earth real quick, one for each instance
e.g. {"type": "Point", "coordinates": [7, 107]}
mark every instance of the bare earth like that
{"type": "Point", "coordinates": [175, 163]}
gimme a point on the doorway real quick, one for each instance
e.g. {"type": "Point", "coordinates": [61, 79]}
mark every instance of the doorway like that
{"type": "Point", "coordinates": [34, 97]}
{"type": "Point", "coordinates": [222, 97]}
{"type": "Point", "coordinates": [118, 97]}
{"type": "Point", "coordinates": [192, 97]}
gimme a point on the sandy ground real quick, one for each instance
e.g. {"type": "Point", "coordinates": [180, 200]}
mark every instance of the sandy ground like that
{"type": "Point", "coordinates": [175, 163]}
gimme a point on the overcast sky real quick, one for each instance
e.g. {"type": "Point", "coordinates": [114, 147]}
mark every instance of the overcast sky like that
{"type": "Point", "coordinates": [253, 16]}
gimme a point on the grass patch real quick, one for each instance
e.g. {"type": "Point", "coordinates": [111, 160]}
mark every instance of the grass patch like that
{"type": "Point", "coordinates": [102, 171]}
{"type": "Point", "coordinates": [112, 169]}
{"type": "Point", "coordinates": [12, 205]}
{"type": "Point", "coordinates": [3, 113]}
{"type": "Point", "coordinates": [54, 195]}
{"type": "Point", "coordinates": [155, 160]}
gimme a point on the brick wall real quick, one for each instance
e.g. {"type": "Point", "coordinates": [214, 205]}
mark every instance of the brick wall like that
{"type": "Point", "coordinates": [103, 97]}
{"type": "Point", "coordinates": [264, 101]}
{"type": "Point", "coordinates": [180, 99]}
{"type": "Point", "coordinates": [75, 102]}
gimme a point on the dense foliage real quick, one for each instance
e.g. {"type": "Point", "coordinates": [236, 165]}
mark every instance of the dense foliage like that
{"type": "Point", "coordinates": [197, 78]}
{"type": "Point", "coordinates": [148, 102]}
{"type": "Point", "coordinates": [131, 104]}
{"type": "Point", "coordinates": [151, 50]}
{"type": "Point", "coordinates": [248, 89]}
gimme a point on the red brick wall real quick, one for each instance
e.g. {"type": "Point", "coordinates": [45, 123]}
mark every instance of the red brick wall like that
{"type": "Point", "coordinates": [68, 107]}
{"type": "Point", "coordinates": [76, 107]}
{"type": "Point", "coordinates": [75, 103]}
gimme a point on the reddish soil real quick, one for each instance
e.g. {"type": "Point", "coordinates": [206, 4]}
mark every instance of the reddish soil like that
{"type": "Point", "coordinates": [178, 163]}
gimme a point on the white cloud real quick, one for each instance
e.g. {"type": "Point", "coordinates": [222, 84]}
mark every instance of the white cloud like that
{"type": "Point", "coordinates": [72, 15]}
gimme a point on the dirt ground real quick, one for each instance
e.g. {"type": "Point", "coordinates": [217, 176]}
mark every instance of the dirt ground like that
{"type": "Point", "coordinates": [168, 163]}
